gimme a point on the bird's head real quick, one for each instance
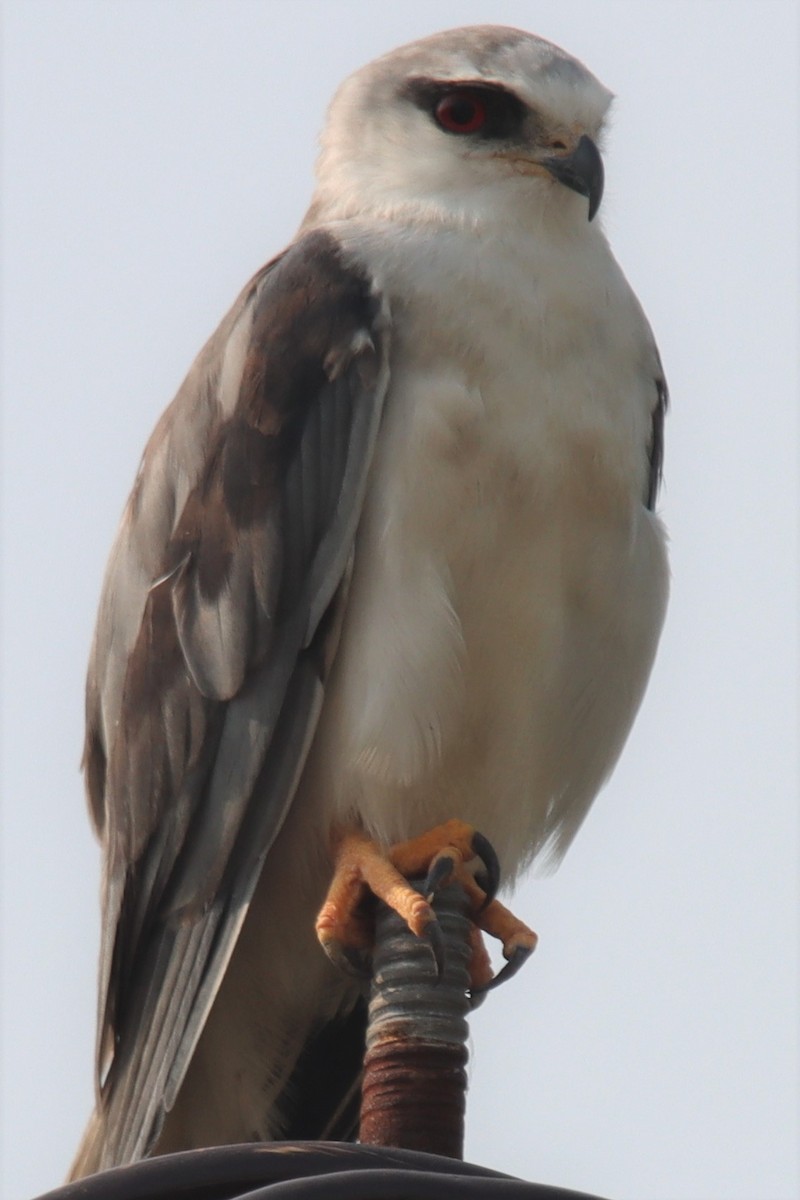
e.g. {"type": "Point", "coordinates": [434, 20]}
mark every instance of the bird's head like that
{"type": "Point", "coordinates": [479, 124]}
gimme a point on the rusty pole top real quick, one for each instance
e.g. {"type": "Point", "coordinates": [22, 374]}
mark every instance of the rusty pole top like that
{"type": "Point", "coordinates": [415, 1080]}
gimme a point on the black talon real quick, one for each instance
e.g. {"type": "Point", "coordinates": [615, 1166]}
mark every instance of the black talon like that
{"type": "Point", "coordinates": [435, 938]}
{"type": "Point", "coordinates": [356, 963]}
{"type": "Point", "coordinates": [487, 880]}
{"type": "Point", "coordinates": [440, 873]}
{"type": "Point", "coordinates": [518, 959]}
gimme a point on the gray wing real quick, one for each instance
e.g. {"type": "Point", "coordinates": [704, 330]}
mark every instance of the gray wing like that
{"type": "Point", "coordinates": [208, 665]}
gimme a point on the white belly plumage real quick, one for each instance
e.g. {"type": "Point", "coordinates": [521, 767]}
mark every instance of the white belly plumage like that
{"type": "Point", "coordinates": [507, 597]}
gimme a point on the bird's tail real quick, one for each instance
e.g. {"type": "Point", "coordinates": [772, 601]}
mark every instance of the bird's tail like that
{"type": "Point", "coordinates": [90, 1152]}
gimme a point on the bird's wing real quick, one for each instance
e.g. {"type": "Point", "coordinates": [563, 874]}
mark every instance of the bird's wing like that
{"type": "Point", "coordinates": [209, 660]}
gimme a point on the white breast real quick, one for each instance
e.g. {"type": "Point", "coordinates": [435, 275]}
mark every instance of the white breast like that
{"type": "Point", "coordinates": [509, 584]}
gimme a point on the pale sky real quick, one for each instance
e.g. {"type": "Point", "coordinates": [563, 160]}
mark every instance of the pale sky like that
{"type": "Point", "coordinates": [155, 155]}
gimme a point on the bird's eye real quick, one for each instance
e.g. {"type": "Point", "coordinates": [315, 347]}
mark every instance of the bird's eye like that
{"type": "Point", "coordinates": [461, 112]}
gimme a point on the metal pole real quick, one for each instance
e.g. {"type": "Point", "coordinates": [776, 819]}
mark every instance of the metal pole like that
{"type": "Point", "coordinates": [415, 1080]}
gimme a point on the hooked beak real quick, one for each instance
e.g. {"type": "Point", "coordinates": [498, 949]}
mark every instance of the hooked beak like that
{"type": "Point", "coordinates": [582, 171]}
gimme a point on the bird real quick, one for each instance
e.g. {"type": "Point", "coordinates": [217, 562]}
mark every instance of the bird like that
{"type": "Point", "coordinates": [391, 563]}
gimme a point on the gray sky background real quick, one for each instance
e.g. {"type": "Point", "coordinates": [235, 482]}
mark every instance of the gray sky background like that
{"type": "Point", "coordinates": [155, 154]}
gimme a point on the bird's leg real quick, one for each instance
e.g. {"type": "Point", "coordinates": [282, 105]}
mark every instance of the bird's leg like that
{"type": "Point", "coordinates": [452, 850]}
{"type": "Point", "coordinates": [362, 867]}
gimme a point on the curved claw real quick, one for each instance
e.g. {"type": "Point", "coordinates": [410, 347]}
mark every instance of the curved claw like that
{"type": "Point", "coordinates": [433, 935]}
{"type": "Point", "coordinates": [350, 959]}
{"type": "Point", "coordinates": [516, 959]}
{"type": "Point", "coordinates": [439, 874]}
{"type": "Point", "coordinates": [488, 879]}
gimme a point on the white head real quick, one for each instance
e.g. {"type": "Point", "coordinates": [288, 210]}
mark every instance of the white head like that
{"type": "Point", "coordinates": [474, 124]}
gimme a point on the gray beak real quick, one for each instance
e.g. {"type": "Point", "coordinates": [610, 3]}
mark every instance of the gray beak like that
{"type": "Point", "coordinates": [582, 171]}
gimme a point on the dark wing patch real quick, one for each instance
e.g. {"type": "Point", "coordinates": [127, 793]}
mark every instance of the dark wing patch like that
{"type": "Point", "coordinates": [655, 447]}
{"type": "Point", "coordinates": [207, 676]}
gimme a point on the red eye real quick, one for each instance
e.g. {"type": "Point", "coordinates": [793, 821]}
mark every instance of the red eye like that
{"type": "Point", "coordinates": [461, 112]}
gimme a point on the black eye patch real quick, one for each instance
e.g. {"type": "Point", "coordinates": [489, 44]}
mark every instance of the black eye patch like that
{"type": "Point", "coordinates": [471, 109]}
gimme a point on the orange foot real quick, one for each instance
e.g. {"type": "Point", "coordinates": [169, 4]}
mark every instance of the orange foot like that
{"type": "Point", "coordinates": [449, 851]}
